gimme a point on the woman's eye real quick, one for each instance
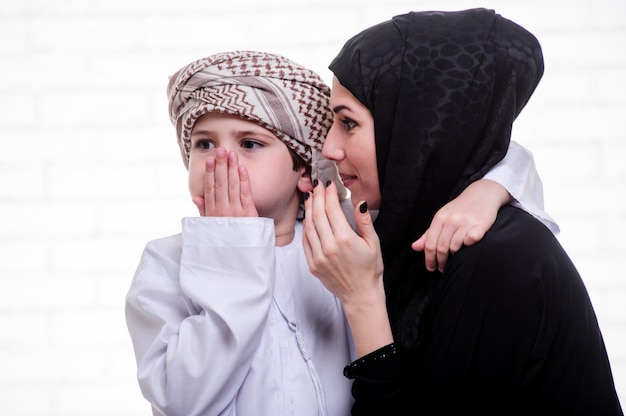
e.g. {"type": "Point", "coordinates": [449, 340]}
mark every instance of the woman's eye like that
{"type": "Point", "coordinates": [348, 123]}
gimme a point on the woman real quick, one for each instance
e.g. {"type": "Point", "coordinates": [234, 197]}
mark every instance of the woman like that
{"type": "Point", "coordinates": [423, 106]}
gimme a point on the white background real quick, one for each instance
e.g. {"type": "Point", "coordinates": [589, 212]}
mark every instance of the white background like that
{"type": "Point", "coordinates": [90, 169]}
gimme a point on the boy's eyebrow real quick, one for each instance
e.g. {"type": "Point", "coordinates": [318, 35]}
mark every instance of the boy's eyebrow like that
{"type": "Point", "coordinates": [209, 131]}
{"type": "Point", "coordinates": [261, 131]}
{"type": "Point", "coordinates": [201, 132]}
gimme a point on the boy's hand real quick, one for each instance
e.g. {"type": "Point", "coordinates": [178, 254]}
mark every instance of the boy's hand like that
{"type": "Point", "coordinates": [462, 221]}
{"type": "Point", "coordinates": [227, 190]}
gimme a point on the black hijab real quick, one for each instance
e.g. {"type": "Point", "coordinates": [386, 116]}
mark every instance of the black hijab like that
{"type": "Point", "coordinates": [444, 89]}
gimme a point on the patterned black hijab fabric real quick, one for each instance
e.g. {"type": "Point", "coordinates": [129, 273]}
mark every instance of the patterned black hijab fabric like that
{"type": "Point", "coordinates": [444, 89]}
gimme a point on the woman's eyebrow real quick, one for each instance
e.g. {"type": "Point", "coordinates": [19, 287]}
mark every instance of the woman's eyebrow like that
{"type": "Point", "coordinates": [340, 108]}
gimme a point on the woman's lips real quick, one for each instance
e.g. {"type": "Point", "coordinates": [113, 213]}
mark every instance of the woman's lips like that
{"type": "Point", "coordinates": [347, 179]}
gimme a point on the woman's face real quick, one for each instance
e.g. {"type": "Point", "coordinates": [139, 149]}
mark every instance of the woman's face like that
{"type": "Point", "coordinates": [350, 143]}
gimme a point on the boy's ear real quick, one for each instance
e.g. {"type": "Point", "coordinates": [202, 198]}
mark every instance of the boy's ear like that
{"type": "Point", "coordinates": [305, 183]}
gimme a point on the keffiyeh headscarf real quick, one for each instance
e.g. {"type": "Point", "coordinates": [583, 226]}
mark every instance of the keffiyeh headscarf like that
{"type": "Point", "coordinates": [277, 93]}
{"type": "Point", "coordinates": [444, 89]}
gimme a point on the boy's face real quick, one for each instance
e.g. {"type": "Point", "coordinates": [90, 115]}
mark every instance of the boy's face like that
{"type": "Point", "coordinates": [273, 180]}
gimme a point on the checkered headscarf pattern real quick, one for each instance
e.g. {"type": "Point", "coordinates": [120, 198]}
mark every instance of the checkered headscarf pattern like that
{"type": "Point", "coordinates": [275, 92]}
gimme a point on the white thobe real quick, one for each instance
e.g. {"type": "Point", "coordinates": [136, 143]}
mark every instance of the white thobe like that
{"type": "Point", "coordinates": [225, 323]}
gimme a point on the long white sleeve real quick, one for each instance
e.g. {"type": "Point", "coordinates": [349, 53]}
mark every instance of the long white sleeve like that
{"type": "Point", "coordinates": [194, 341]}
{"type": "Point", "coordinates": [517, 173]}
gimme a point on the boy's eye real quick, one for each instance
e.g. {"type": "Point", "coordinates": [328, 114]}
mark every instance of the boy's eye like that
{"type": "Point", "coordinates": [205, 144]}
{"type": "Point", "coordinates": [250, 144]}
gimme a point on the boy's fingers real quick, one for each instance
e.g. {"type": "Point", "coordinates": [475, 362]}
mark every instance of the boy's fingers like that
{"type": "Point", "coordinates": [430, 246]}
{"type": "Point", "coordinates": [444, 240]}
{"type": "Point", "coordinates": [234, 193]}
{"type": "Point", "coordinates": [424, 244]}
{"type": "Point", "coordinates": [247, 202]}
{"type": "Point", "coordinates": [199, 203]}
{"type": "Point", "coordinates": [209, 185]}
{"type": "Point", "coordinates": [475, 234]}
{"type": "Point", "coordinates": [221, 179]}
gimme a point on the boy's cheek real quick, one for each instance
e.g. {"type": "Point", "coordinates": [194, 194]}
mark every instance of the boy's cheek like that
{"type": "Point", "coordinates": [196, 184]}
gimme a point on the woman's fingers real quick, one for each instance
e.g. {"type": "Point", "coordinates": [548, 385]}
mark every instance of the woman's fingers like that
{"type": "Point", "coordinates": [334, 213]}
{"type": "Point", "coordinates": [328, 234]}
{"type": "Point", "coordinates": [310, 238]}
{"type": "Point", "coordinates": [316, 223]}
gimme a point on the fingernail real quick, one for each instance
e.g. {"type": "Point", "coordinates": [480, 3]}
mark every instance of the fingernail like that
{"type": "Point", "coordinates": [315, 182]}
{"type": "Point", "coordinates": [306, 195]}
{"type": "Point", "coordinates": [363, 207]}
{"type": "Point", "coordinates": [328, 182]}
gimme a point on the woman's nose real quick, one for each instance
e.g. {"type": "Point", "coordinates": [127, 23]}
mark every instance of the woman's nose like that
{"type": "Point", "coordinates": [330, 149]}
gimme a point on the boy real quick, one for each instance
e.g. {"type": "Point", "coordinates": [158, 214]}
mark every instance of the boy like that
{"type": "Point", "coordinates": [225, 317]}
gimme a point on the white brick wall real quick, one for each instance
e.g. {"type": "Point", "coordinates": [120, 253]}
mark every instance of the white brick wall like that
{"type": "Point", "coordinates": [89, 167]}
